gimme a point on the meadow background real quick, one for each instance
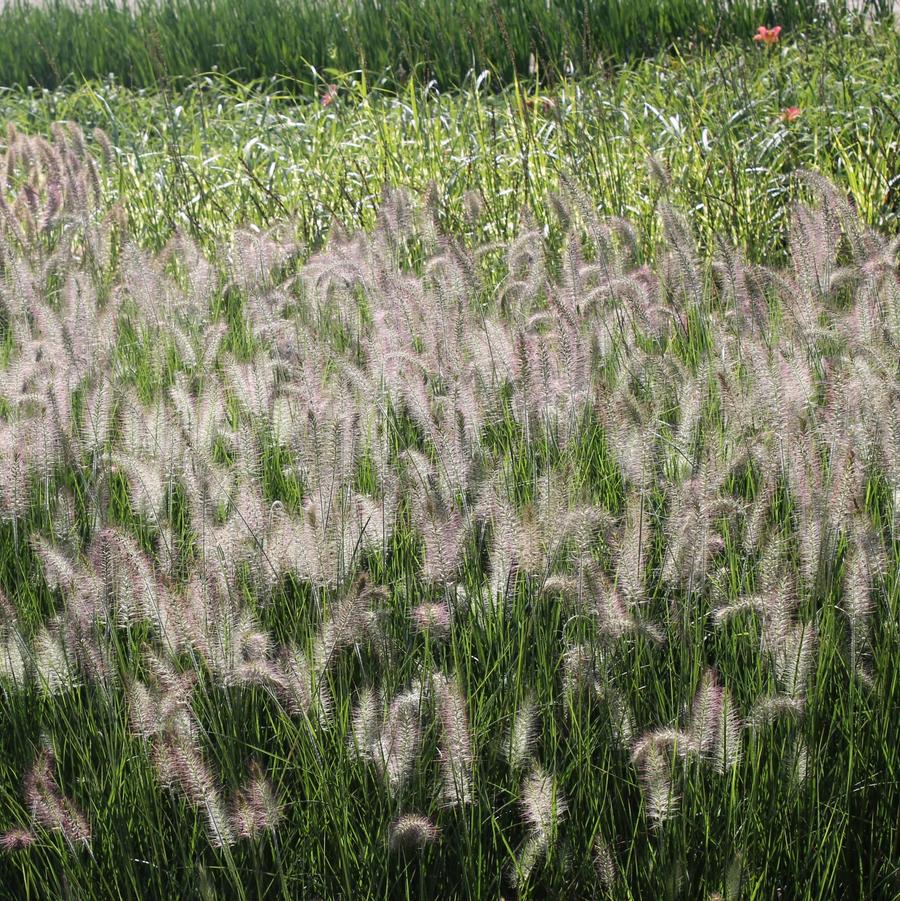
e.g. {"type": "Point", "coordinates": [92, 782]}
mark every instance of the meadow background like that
{"type": "Point", "coordinates": [382, 517]}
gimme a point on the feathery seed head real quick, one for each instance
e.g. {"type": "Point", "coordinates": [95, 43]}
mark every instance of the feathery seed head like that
{"type": "Point", "coordinates": [16, 840]}
{"type": "Point", "coordinates": [413, 831]}
{"type": "Point", "coordinates": [543, 805]}
{"type": "Point", "coordinates": [432, 618]}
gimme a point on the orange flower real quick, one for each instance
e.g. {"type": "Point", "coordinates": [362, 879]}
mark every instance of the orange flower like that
{"type": "Point", "coordinates": [791, 113]}
{"type": "Point", "coordinates": [767, 36]}
{"type": "Point", "coordinates": [330, 95]}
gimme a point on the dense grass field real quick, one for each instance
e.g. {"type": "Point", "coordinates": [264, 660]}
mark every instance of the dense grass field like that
{"type": "Point", "coordinates": [219, 152]}
{"type": "Point", "coordinates": [486, 487]}
{"type": "Point", "coordinates": [144, 43]}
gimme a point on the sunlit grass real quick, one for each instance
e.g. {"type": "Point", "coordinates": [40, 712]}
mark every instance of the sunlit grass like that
{"type": "Point", "coordinates": [807, 810]}
{"type": "Point", "coordinates": [219, 152]}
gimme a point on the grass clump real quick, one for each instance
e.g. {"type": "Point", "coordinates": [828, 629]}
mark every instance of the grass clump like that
{"type": "Point", "coordinates": [445, 566]}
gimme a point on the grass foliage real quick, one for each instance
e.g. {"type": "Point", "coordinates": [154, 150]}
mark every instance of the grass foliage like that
{"type": "Point", "coordinates": [218, 152]}
{"type": "Point", "coordinates": [442, 567]}
{"type": "Point", "coordinates": [488, 494]}
{"type": "Point", "coordinates": [144, 43]}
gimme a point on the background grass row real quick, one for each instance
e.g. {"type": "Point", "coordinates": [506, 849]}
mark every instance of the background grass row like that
{"type": "Point", "coordinates": [146, 42]}
{"type": "Point", "coordinates": [219, 152]}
